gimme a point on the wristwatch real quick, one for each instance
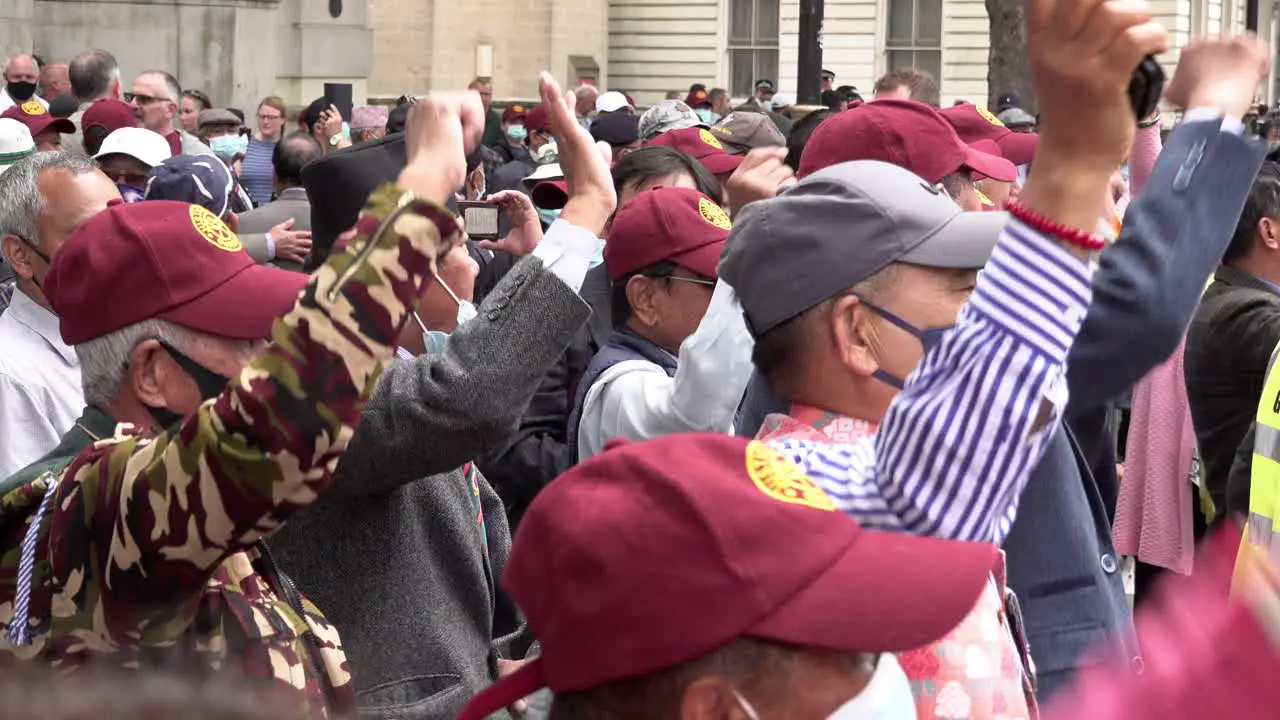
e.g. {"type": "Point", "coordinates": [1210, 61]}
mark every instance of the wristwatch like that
{"type": "Point", "coordinates": [335, 139]}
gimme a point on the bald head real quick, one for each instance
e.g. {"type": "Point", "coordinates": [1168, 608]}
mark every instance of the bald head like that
{"type": "Point", "coordinates": [55, 79]}
{"type": "Point", "coordinates": [21, 68]}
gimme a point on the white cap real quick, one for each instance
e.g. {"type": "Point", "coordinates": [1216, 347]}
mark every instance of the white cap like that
{"type": "Point", "coordinates": [147, 147]}
{"type": "Point", "coordinates": [781, 100]}
{"type": "Point", "coordinates": [612, 101]}
{"type": "Point", "coordinates": [549, 171]}
{"type": "Point", "coordinates": [15, 143]}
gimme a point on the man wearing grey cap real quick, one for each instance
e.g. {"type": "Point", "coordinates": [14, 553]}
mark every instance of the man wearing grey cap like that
{"type": "Point", "coordinates": [868, 247]}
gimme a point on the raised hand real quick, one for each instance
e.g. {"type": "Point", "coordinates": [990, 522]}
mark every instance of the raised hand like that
{"type": "Point", "coordinates": [1220, 73]}
{"type": "Point", "coordinates": [763, 174]}
{"type": "Point", "coordinates": [442, 129]}
{"type": "Point", "coordinates": [1083, 54]}
{"type": "Point", "coordinates": [591, 195]}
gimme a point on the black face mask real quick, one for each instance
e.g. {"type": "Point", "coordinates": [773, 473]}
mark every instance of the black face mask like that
{"type": "Point", "coordinates": [20, 92]}
{"type": "Point", "coordinates": [209, 383]}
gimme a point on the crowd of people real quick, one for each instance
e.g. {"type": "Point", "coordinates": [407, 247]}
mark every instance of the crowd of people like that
{"type": "Point", "coordinates": [803, 412]}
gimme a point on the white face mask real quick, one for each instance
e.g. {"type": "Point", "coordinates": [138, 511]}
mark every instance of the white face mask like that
{"type": "Point", "coordinates": [886, 697]}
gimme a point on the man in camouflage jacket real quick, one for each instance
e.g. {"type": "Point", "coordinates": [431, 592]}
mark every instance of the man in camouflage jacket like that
{"type": "Point", "coordinates": [145, 550]}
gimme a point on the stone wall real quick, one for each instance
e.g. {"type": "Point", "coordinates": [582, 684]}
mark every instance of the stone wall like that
{"type": "Point", "coordinates": [237, 51]}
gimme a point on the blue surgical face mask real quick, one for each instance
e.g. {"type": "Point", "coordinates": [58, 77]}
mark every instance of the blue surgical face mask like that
{"type": "Point", "coordinates": [598, 258]}
{"type": "Point", "coordinates": [929, 339]}
{"type": "Point", "coordinates": [346, 132]}
{"type": "Point", "coordinates": [433, 341]}
{"type": "Point", "coordinates": [227, 147]}
{"type": "Point", "coordinates": [517, 133]}
{"type": "Point", "coordinates": [766, 104]}
{"type": "Point", "coordinates": [705, 115]}
{"type": "Point", "coordinates": [130, 194]}
{"type": "Point", "coordinates": [549, 216]}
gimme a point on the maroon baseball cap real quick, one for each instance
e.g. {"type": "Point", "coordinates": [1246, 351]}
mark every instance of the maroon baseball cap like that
{"type": "Point", "coordinates": [514, 112]}
{"type": "Point", "coordinates": [537, 119]}
{"type": "Point", "coordinates": [37, 119]}
{"type": "Point", "coordinates": [165, 260]}
{"type": "Point", "coordinates": [905, 133]}
{"type": "Point", "coordinates": [679, 225]}
{"type": "Point", "coordinates": [110, 115]}
{"type": "Point", "coordinates": [697, 99]}
{"type": "Point", "coordinates": [550, 194]}
{"type": "Point", "coordinates": [674, 547]}
{"type": "Point", "coordinates": [701, 145]}
{"type": "Point", "coordinates": [974, 123]}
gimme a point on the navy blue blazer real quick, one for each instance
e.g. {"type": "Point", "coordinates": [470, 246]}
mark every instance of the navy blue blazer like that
{"type": "Point", "coordinates": [1061, 561]}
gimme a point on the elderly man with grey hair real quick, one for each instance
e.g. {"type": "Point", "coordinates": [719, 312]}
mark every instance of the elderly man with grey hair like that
{"type": "Point", "coordinates": [43, 199]}
{"type": "Point", "coordinates": [21, 78]}
{"type": "Point", "coordinates": [155, 98]}
{"type": "Point", "coordinates": [94, 76]}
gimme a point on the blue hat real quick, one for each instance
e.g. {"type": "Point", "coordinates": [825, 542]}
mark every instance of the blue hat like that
{"type": "Point", "coordinates": [196, 179]}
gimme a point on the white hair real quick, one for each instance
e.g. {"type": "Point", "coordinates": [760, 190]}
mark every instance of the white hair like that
{"type": "Point", "coordinates": [20, 201]}
{"type": "Point", "coordinates": [103, 360]}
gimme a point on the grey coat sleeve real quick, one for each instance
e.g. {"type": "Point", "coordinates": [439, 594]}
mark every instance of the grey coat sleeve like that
{"type": "Point", "coordinates": [256, 245]}
{"type": "Point", "coordinates": [431, 414]}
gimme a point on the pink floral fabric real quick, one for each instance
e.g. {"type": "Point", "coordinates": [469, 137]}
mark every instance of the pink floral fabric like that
{"type": "Point", "coordinates": [976, 672]}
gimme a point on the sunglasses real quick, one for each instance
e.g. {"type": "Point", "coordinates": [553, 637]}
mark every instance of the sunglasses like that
{"type": "Point", "coordinates": [143, 99]}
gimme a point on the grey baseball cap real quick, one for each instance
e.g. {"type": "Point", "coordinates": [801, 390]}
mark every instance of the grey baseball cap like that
{"type": "Point", "coordinates": [838, 227]}
{"type": "Point", "coordinates": [667, 115]}
{"type": "Point", "coordinates": [1016, 117]}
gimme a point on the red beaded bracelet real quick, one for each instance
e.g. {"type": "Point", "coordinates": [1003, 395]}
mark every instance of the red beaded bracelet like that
{"type": "Point", "coordinates": [1074, 236]}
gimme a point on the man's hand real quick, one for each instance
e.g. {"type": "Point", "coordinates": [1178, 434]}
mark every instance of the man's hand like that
{"type": "Point", "coordinates": [526, 230]}
{"type": "Point", "coordinates": [291, 245]}
{"type": "Point", "coordinates": [442, 129]}
{"type": "Point", "coordinates": [329, 125]}
{"type": "Point", "coordinates": [591, 195]}
{"type": "Point", "coordinates": [1083, 54]}
{"type": "Point", "coordinates": [763, 174]}
{"type": "Point", "coordinates": [1219, 73]}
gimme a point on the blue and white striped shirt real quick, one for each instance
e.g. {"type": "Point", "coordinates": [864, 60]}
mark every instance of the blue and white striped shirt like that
{"type": "Point", "coordinates": [957, 446]}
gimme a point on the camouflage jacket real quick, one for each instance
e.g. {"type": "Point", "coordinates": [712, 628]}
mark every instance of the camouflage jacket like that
{"type": "Point", "coordinates": [145, 549]}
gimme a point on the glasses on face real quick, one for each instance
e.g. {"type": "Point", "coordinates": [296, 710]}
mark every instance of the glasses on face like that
{"type": "Point", "coordinates": [265, 118]}
{"type": "Point", "coordinates": [143, 99]}
{"type": "Point", "coordinates": [696, 281]}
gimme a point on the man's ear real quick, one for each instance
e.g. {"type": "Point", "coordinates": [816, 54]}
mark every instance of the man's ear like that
{"type": "Point", "coordinates": [18, 256]}
{"type": "Point", "coordinates": [642, 296]}
{"type": "Point", "coordinates": [710, 698]}
{"type": "Point", "coordinates": [232, 220]}
{"type": "Point", "coordinates": [1269, 233]}
{"type": "Point", "coordinates": [853, 335]}
{"type": "Point", "coordinates": [145, 374]}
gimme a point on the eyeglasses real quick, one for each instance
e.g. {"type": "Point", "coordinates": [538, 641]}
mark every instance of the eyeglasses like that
{"type": "Point", "coordinates": [143, 99]}
{"type": "Point", "coordinates": [695, 281]}
{"type": "Point", "coordinates": [270, 117]}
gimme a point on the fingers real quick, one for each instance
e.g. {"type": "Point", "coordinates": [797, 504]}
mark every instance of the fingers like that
{"type": "Point", "coordinates": [283, 226]}
{"type": "Point", "coordinates": [471, 113]}
{"type": "Point", "coordinates": [1066, 18]}
{"type": "Point", "coordinates": [559, 114]}
{"type": "Point", "coordinates": [505, 196]}
{"type": "Point", "coordinates": [760, 156]}
{"type": "Point", "coordinates": [490, 244]}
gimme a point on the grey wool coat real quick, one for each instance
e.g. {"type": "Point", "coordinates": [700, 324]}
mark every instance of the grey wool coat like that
{"type": "Point", "coordinates": [395, 552]}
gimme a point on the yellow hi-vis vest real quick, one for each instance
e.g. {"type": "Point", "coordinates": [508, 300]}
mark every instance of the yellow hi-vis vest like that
{"type": "Point", "coordinates": [1260, 536]}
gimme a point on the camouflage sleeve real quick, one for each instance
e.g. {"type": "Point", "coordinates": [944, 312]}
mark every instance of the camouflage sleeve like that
{"type": "Point", "coordinates": [140, 524]}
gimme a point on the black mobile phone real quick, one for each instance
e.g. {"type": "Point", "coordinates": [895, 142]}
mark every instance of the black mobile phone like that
{"type": "Point", "coordinates": [1146, 87]}
{"type": "Point", "coordinates": [481, 218]}
{"type": "Point", "coordinates": [339, 95]}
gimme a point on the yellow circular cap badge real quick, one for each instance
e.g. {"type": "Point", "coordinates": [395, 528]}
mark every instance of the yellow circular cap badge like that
{"type": "Point", "coordinates": [714, 214]}
{"type": "Point", "coordinates": [986, 114]}
{"type": "Point", "coordinates": [710, 139]}
{"type": "Point", "coordinates": [33, 107]}
{"type": "Point", "coordinates": [783, 480]}
{"type": "Point", "coordinates": [214, 230]}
